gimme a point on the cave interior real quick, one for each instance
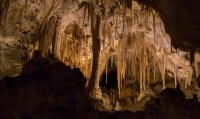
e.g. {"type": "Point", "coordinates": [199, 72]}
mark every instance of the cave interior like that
{"type": "Point", "coordinates": [99, 59]}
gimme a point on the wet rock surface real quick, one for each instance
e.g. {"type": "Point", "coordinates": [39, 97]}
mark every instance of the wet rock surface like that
{"type": "Point", "coordinates": [48, 89]}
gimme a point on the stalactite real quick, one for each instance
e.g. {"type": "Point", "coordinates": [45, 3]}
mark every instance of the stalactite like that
{"type": "Point", "coordinates": [123, 45]}
{"type": "Point", "coordinates": [85, 4]}
{"type": "Point", "coordinates": [186, 82]}
{"type": "Point", "coordinates": [63, 51]}
{"type": "Point", "coordinates": [175, 76]}
{"type": "Point", "coordinates": [161, 67]}
{"type": "Point", "coordinates": [119, 76]}
{"type": "Point", "coordinates": [4, 10]}
{"type": "Point", "coordinates": [134, 16]}
{"type": "Point", "coordinates": [116, 22]}
{"type": "Point", "coordinates": [26, 6]}
{"type": "Point", "coordinates": [148, 74]}
{"type": "Point", "coordinates": [104, 34]}
{"type": "Point", "coordinates": [164, 66]}
{"type": "Point", "coordinates": [141, 85]}
{"type": "Point", "coordinates": [145, 19]}
{"type": "Point", "coordinates": [109, 37]}
{"type": "Point", "coordinates": [144, 77]}
{"type": "Point", "coordinates": [106, 67]}
{"type": "Point", "coordinates": [46, 38]}
{"type": "Point", "coordinates": [55, 4]}
{"type": "Point", "coordinates": [144, 68]}
{"type": "Point", "coordinates": [178, 51]}
{"type": "Point", "coordinates": [132, 66]}
{"type": "Point", "coordinates": [190, 75]}
{"type": "Point", "coordinates": [192, 56]}
{"type": "Point", "coordinates": [154, 29]}
{"type": "Point", "coordinates": [86, 70]}
{"type": "Point", "coordinates": [56, 39]}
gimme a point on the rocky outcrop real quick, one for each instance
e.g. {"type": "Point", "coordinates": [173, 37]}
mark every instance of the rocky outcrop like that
{"type": "Point", "coordinates": [45, 89]}
{"type": "Point", "coordinates": [173, 105]}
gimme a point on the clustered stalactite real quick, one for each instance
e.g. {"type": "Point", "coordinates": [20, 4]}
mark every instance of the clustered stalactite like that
{"type": "Point", "coordinates": [4, 5]}
{"type": "Point", "coordinates": [129, 35]}
{"type": "Point", "coordinates": [45, 33]}
{"type": "Point", "coordinates": [138, 42]}
{"type": "Point", "coordinates": [75, 51]}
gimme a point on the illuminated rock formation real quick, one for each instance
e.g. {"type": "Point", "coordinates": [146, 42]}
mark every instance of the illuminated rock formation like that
{"type": "Point", "coordinates": [93, 35]}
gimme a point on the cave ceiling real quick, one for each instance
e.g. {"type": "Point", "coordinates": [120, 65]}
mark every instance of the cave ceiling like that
{"type": "Point", "coordinates": [181, 20]}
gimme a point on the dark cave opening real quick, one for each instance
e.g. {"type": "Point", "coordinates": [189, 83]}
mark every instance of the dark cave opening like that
{"type": "Point", "coordinates": [111, 79]}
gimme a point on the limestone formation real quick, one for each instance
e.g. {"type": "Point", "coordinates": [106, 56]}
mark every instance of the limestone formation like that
{"type": "Point", "coordinates": [152, 45]}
